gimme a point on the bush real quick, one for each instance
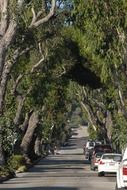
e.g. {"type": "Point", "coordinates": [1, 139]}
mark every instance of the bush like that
{"type": "Point", "coordinates": [16, 161]}
{"type": "Point", "coordinates": [6, 171]}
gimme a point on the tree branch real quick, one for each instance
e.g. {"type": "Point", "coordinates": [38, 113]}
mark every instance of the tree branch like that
{"type": "Point", "coordinates": [37, 64]}
{"type": "Point", "coordinates": [36, 21]}
{"type": "Point", "coordinates": [20, 3]}
{"type": "Point", "coordinates": [4, 16]}
{"type": "Point", "coordinates": [89, 115]}
{"type": "Point", "coordinates": [23, 126]}
{"type": "Point", "coordinates": [13, 91]}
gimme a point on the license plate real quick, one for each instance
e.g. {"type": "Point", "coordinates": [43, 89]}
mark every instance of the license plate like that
{"type": "Point", "coordinates": [111, 164]}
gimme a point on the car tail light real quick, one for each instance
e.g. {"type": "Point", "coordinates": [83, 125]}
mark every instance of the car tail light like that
{"type": "Point", "coordinates": [124, 170]}
{"type": "Point", "coordinates": [101, 162]}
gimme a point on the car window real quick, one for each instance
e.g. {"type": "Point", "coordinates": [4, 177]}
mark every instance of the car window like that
{"type": "Point", "coordinates": [91, 144]}
{"type": "Point", "coordinates": [112, 157]}
{"type": "Point", "coordinates": [117, 158]}
{"type": "Point", "coordinates": [107, 150]}
{"type": "Point", "coordinates": [98, 155]}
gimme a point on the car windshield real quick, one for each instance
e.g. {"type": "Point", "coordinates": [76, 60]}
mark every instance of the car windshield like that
{"type": "Point", "coordinates": [98, 155]}
{"type": "Point", "coordinates": [91, 144]}
{"type": "Point", "coordinates": [112, 157]}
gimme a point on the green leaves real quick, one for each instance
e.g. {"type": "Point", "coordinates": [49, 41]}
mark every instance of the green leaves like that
{"type": "Point", "coordinates": [102, 29]}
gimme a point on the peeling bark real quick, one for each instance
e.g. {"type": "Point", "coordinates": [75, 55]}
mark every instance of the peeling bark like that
{"type": "Point", "coordinates": [37, 147]}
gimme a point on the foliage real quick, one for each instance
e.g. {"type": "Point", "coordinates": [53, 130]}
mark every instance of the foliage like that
{"type": "Point", "coordinates": [91, 34]}
{"type": "Point", "coordinates": [16, 161]}
{"type": "Point", "coordinates": [6, 171]}
{"type": "Point", "coordinates": [92, 133]}
{"type": "Point", "coordinates": [47, 90]}
{"type": "Point", "coordinates": [119, 131]}
{"type": "Point", "coordinates": [101, 32]}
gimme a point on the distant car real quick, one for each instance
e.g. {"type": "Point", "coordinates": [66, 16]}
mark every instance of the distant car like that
{"type": "Point", "coordinates": [109, 163]}
{"type": "Point", "coordinates": [90, 145]}
{"type": "Point", "coordinates": [121, 175]}
{"type": "Point", "coordinates": [94, 160]}
{"type": "Point", "coordinates": [98, 142]}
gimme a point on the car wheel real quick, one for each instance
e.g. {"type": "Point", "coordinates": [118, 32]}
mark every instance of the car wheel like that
{"type": "Point", "coordinates": [100, 174]}
{"type": "Point", "coordinates": [116, 188]}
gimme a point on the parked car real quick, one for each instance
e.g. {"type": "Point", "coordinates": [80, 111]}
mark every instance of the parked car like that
{"type": "Point", "coordinates": [109, 163]}
{"type": "Point", "coordinates": [98, 142]}
{"type": "Point", "coordinates": [88, 149]}
{"type": "Point", "coordinates": [121, 175]}
{"type": "Point", "coordinates": [90, 145]}
{"type": "Point", "coordinates": [94, 160]}
{"type": "Point", "coordinates": [105, 148]}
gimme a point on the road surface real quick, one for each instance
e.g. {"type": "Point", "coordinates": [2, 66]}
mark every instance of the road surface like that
{"type": "Point", "coordinates": [66, 171]}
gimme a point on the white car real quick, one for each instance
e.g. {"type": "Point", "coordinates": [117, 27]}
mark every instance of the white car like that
{"type": "Point", "coordinates": [121, 176]}
{"type": "Point", "coordinates": [109, 163]}
{"type": "Point", "coordinates": [90, 145]}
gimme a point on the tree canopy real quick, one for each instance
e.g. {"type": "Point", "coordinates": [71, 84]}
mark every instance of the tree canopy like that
{"type": "Point", "coordinates": [56, 56]}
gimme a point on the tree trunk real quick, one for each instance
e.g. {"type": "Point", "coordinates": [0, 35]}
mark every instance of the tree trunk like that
{"type": "Point", "coordinates": [37, 147]}
{"type": "Point", "coordinates": [109, 124]}
{"type": "Point", "coordinates": [2, 57]}
{"type": "Point", "coordinates": [8, 28]}
{"type": "Point", "coordinates": [5, 67]}
{"type": "Point", "coordinates": [17, 118]}
{"type": "Point", "coordinates": [23, 127]}
{"type": "Point", "coordinates": [27, 139]}
{"type": "Point", "coordinates": [91, 117]}
{"type": "Point", "coordinates": [2, 160]}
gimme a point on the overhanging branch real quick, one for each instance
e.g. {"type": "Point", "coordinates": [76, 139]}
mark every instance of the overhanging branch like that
{"type": "Point", "coordinates": [36, 21]}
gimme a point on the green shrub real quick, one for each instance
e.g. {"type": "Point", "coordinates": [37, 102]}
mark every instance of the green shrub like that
{"type": "Point", "coordinates": [6, 171]}
{"type": "Point", "coordinates": [16, 161]}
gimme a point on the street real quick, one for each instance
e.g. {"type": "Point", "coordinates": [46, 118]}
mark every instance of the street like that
{"type": "Point", "coordinates": [66, 171]}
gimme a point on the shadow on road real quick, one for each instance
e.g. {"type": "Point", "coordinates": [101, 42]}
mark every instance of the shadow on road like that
{"type": "Point", "coordinates": [43, 188]}
{"type": "Point", "coordinates": [68, 163]}
{"type": "Point", "coordinates": [58, 162]}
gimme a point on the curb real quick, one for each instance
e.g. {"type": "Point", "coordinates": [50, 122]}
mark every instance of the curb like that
{"type": "Point", "coordinates": [5, 178]}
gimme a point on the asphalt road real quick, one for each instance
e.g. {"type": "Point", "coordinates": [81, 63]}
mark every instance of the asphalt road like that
{"type": "Point", "coordinates": [66, 171]}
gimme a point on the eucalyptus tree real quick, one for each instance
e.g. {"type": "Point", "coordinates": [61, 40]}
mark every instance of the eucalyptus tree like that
{"type": "Point", "coordinates": [100, 32]}
{"type": "Point", "coordinates": [12, 15]}
{"type": "Point", "coordinates": [45, 55]}
{"type": "Point", "coordinates": [18, 20]}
